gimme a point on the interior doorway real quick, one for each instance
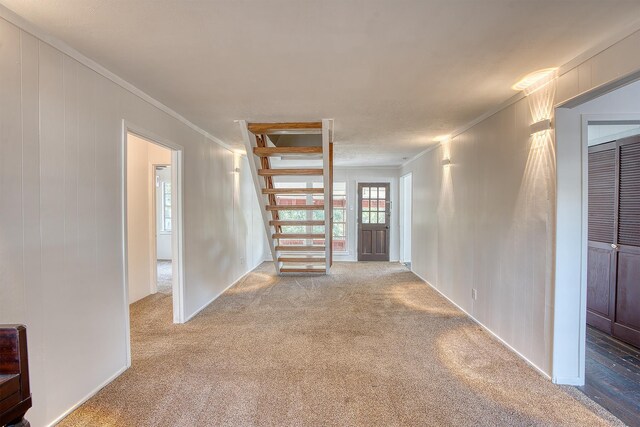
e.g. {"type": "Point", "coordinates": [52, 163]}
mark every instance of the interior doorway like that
{"type": "Point", "coordinates": [616, 102]}
{"type": "Point", "coordinates": [163, 228]}
{"type": "Point", "coordinates": [405, 219]}
{"type": "Point", "coordinates": [152, 220]}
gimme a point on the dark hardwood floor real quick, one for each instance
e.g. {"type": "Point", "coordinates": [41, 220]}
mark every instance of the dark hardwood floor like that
{"type": "Point", "coordinates": [613, 376]}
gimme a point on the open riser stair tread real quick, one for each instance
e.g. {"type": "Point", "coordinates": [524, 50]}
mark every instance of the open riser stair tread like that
{"type": "Point", "coordinates": [296, 191]}
{"type": "Point", "coordinates": [292, 248]}
{"type": "Point", "coordinates": [273, 128]}
{"type": "Point", "coordinates": [298, 236]}
{"type": "Point", "coordinates": [289, 172]}
{"type": "Point", "coordinates": [302, 260]}
{"type": "Point", "coordinates": [302, 270]}
{"type": "Point", "coordinates": [294, 223]}
{"type": "Point", "coordinates": [284, 151]}
{"type": "Point", "coordinates": [295, 207]}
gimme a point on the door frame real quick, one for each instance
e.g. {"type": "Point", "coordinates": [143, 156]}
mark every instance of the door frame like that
{"type": "Point", "coordinates": [567, 352]}
{"type": "Point", "coordinates": [177, 236]}
{"type": "Point", "coordinates": [357, 214]}
{"type": "Point", "coordinates": [401, 215]}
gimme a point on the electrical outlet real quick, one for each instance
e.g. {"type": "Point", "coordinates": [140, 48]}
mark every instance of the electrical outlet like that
{"type": "Point", "coordinates": [474, 294]}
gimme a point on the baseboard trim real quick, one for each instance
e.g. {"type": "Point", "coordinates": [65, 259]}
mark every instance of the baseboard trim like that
{"type": "Point", "coordinates": [506, 344]}
{"type": "Point", "coordinates": [195, 313]}
{"type": "Point", "coordinates": [575, 381]}
{"type": "Point", "coordinates": [88, 396]}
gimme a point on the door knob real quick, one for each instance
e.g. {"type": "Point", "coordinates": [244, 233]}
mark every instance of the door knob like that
{"type": "Point", "coordinates": [614, 246]}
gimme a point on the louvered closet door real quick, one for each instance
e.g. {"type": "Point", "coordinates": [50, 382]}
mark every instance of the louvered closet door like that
{"type": "Point", "coordinates": [601, 261]}
{"type": "Point", "coordinates": [627, 308]}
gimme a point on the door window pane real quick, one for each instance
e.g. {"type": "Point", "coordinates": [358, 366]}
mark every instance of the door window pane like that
{"type": "Point", "coordinates": [374, 217]}
{"type": "Point", "coordinates": [365, 217]}
{"type": "Point", "coordinates": [381, 218]}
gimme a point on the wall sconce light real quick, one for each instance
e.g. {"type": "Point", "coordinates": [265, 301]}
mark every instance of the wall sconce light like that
{"type": "Point", "coordinates": [541, 126]}
{"type": "Point", "coordinates": [446, 162]}
{"type": "Point", "coordinates": [536, 79]}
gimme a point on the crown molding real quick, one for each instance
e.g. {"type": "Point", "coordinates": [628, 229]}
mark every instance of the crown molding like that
{"type": "Point", "coordinates": [26, 26]}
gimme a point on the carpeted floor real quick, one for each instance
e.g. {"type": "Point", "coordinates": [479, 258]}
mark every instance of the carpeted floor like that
{"type": "Point", "coordinates": [165, 278]}
{"type": "Point", "coordinates": [368, 345]}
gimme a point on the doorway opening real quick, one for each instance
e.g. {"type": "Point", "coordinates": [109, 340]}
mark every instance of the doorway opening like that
{"type": "Point", "coordinates": [163, 231]}
{"type": "Point", "coordinates": [374, 208]}
{"type": "Point", "coordinates": [152, 222]}
{"type": "Point", "coordinates": [597, 321]}
{"type": "Point", "coordinates": [405, 219]}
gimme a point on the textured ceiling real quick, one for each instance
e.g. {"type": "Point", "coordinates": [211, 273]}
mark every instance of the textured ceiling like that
{"type": "Point", "coordinates": [393, 74]}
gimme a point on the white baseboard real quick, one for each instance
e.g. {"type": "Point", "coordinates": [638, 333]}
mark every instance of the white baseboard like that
{"type": "Point", "coordinates": [88, 396]}
{"type": "Point", "coordinates": [576, 381]}
{"type": "Point", "coordinates": [506, 344]}
{"type": "Point", "coordinates": [220, 293]}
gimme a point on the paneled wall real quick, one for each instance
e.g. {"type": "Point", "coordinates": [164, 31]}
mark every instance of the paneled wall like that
{"type": "Point", "coordinates": [483, 222]}
{"type": "Point", "coordinates": [488, 221]}
{"type": "Point", "coordinates": [61, 239]}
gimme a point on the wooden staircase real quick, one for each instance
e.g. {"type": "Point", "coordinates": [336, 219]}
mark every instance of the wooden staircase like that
{"type": "Point", "coordinates": [310, 257]}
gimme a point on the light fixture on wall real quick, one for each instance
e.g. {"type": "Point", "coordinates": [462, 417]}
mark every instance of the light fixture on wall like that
{"type": "Point", "coordinates": [535, 80]}
{"type": "Point", "coordinates": [446, 161]}
{"type": "Point", "coordinates": [540, 126]}
{"type": "Point", "coordinates": [442, 138]}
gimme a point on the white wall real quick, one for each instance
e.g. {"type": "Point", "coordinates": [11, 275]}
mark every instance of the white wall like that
{"type": "Point", "coordinates": [141, 158]}
{"type": "Point", "coordinates": [61, 243]}
{"type": "Point", "coordinates": [488, 221]}
{"type": "Point", "coordinates": [353, 176]}
{"type": "Point", "coordinates": [483, 223]}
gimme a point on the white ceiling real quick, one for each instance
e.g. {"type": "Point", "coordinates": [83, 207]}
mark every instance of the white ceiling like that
{"type": "Point", "coordinates": [393, 74]}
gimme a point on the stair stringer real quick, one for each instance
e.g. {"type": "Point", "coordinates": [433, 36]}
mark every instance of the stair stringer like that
{"type": "Point", "coordinates": [250, 142]}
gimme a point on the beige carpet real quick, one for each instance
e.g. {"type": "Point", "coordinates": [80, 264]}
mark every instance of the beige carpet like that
{"type": "Point", "coordinates": [370, 345]}
{"type": "Point", "coordinates": [164, 277]}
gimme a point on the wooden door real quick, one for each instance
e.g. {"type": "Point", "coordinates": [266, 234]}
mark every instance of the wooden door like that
{"type": "Point", "coordinates": [601, 254]}
{"type": "Point", "coordinates": [627, 310]}
{"type": "Point", "coordinates": [373, 221]}
{"type": "Point", "coordinates": [613, 266]}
